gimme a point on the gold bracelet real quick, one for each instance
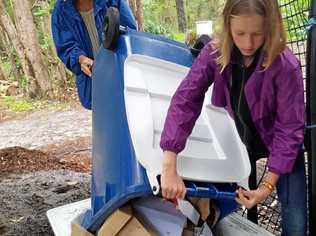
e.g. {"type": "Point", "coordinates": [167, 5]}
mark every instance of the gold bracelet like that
{"type": "Point", "coordinates": [268, 185]}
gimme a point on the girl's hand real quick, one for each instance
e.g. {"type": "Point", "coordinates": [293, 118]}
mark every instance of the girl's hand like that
{"type": "Point", "coordinates": [251, 198]}
{"type": "Point", "coordinates": [172, 185]}
{"type": "Point", "coordinates": [86, 64]}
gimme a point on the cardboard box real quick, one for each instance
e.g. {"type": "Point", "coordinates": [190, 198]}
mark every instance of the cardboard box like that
{"type": "Point", "coordinates": [208, 210]}
{"type": "Point", "coordinates": [135, 228]}
{"type": "Point", "coordinates": [77, 230]}
{"type": "Point", "coordinates": [188, 232]}
{"type": "Point", "coordinates": [115, 222]}
{"type": "Point", "coordinates": [202, 205]}
{"type": "Point", "coordinates": [122, 222]}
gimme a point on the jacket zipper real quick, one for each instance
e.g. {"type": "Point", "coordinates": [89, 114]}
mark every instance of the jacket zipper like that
{"type": "Point", "coordinates": [239, 101]}
{"type": "Point", "coordinates": [242, 88]}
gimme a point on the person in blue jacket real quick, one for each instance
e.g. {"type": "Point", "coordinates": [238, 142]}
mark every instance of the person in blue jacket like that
{"type": "Point", "coordinates": [77, 31]}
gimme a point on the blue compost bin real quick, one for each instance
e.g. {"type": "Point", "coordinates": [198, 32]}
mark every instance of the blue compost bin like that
{"type": "Point", "coordinates": [117, 176]}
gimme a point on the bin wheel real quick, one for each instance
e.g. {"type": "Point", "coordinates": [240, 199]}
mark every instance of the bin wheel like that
{"type": "Point", "coordinates": [111, 28]}
{"type": "Point", "coordinates": [199, 44]}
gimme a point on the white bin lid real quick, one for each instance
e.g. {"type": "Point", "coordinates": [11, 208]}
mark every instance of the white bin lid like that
{"type": "Point", "coordinates": [214, 151]}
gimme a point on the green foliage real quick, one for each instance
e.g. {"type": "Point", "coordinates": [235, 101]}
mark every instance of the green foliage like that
{"type": "Point", "coordinates": [6, 66]}
{"type": "Point", "coordinates": [20, 104]}
{"type": "Point", "coordinates": [24, 81]}
{"type": "Point", "coordinates": [40, 13]}
{"type": "Point", "coordinates": [202, 10]}
{"type": "Point", "coordinates": [17, 104]}
{"type": "Point", "coordinates": [45, 40]}
{"type": "Point", "coordinates": [154, 28]}
{"type": "Point", "coordinates": [159, 29]}
{"type": "Point", "coordinates": [295, 16]}
{"type": "Point", "coordinates": [9, 8]}
{"type": "Point", "coordinates": [178, 37]}
{"type": "Point", "coordinates": [160, 16]}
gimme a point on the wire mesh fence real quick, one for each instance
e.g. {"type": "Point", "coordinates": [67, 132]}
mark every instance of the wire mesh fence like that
{"type": "Point", "coordinates": [268, 213]}
{"type": "Point", "coordinates": [295, 15]}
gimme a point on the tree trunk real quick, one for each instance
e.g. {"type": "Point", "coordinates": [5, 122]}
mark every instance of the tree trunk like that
{"type": "Point", "coordinates": [132, 4]}
{"type": "Point", "coordinates": [181, 16]}
{"type": "Point", "coordinates": [8, 26]}
{"type": "Point", "coordinates": [28, 36]}
{"type": "Point", "coordinates": [26, 82]}
{"type": "Point", "coordinates": [15, 72]}
{"type": "Point", "coordinates": [3, 49]}
{"type": "Point", "coordinates": [140, 15]}
{"type": "Point", "coordinates": [2, 75]}
{"type": "Point", "coordinates": [199, 10]}
{"type": "Point", "coordinates": [58, 68]}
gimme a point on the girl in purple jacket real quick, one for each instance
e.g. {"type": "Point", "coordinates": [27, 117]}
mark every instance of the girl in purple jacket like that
{"type": "Point", "coordinates": [258, 80]}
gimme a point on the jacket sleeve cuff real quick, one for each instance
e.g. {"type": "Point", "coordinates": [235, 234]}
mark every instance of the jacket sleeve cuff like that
{"type": "Point", "coordinates": [279, 165]}
{"type": "Point", "coordinates": [74, 61]}
{"type": "Point", "coordinates": [275, 171]}
{"type": "Point", "coordinates": [167, 146]}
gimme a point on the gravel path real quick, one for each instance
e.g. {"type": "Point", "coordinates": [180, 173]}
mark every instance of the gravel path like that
{"type": "Point", "coordinates": [45, 127]}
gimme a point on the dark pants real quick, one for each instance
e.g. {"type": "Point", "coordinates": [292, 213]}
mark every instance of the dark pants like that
{"type": "Point", "coordinates": [292, 194]}
{"type": "Point", "coordinates": [292, 191]}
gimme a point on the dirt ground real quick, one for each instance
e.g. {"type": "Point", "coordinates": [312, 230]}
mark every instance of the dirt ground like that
{"type": "Point", "coordinates": [45, 162]}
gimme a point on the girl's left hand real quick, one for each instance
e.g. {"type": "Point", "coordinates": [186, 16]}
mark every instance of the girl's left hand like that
{"type": "Point", "coordinates": [251, 198]}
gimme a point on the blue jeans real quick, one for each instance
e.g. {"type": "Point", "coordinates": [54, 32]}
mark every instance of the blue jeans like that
{"type": "Point", "coordinates": [292, 191]}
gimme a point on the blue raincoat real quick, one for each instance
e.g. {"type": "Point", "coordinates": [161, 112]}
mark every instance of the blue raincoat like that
{"type": "Point", "coordinates": [71, 37]}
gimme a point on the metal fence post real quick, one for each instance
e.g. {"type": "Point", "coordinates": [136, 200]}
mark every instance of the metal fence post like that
{"type": "Point", "coordinates": [311, 118]}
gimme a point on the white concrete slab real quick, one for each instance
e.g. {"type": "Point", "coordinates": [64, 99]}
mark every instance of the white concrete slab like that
{"type": "Point", "coordinates": [60, 218]}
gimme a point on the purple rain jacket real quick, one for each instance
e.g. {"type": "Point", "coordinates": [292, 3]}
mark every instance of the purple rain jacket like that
{"type": "Point", "coordinates": [275, 98]}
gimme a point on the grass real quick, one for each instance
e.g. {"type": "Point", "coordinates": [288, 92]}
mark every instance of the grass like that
{"type": "Point", "coordinates": [20, 104]}
{"type": "Point", "coordinates": [179, 37]}
{"type": "Point", "coordinates": [6, 66]}
{"type": "Point", "coordinates": [16, 105]}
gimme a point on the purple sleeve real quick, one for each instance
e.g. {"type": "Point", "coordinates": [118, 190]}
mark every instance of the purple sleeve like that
{"type": "Point", "coordinates": [186, 103]}
{"type": "Point", "coordinates": [290, 122]}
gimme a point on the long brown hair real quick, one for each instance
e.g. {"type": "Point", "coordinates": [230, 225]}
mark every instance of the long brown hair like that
{"type": "Point", "coordinates": [275, 35]}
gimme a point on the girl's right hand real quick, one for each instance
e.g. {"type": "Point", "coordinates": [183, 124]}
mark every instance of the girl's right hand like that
{"type": "Point", "coordinates": [172, 185]}
{"type": "Point", "coordinates": [86, 64]}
